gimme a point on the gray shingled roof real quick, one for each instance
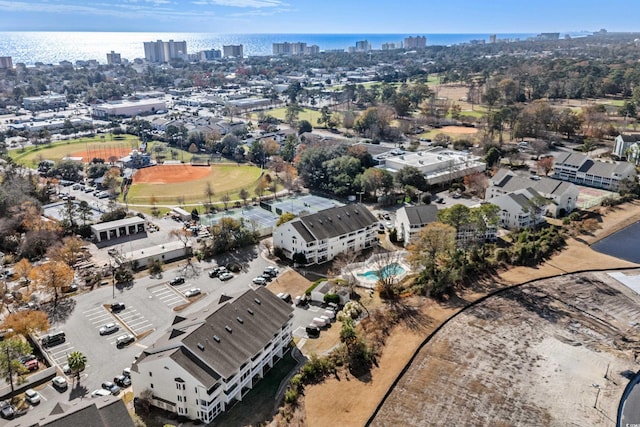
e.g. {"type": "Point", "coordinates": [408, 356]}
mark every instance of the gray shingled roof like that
{"type": "Point", "coordinates": [571, 159]}
{"type": "Point", "coordinates": [630, 138]}
{"type": "Point", "coordinates": [509, 182]}
{"type": "Point", "coordinates": [422, 214]}
{"type": "Point", "coordinates": [217, 340]}
{"type": "Point", "coordinates": [337, 221]}
{"type": "Point", "coordinates": [108, 411]}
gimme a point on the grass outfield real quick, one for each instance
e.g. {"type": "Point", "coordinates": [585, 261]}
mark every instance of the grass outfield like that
{"type": "Point", "coordinates": [56, 152]}
{"type": "Point", "coordinates": [225, 179]}
{"type": "Point", "coordinates": [311, 116]}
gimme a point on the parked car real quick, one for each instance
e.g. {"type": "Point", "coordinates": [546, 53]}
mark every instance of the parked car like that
{"type": "Point", "coordinates": [177, 281]}
{"type": "Point", "coordinates": [32, 396]}
{"type": "Point", "coordinates": [259, 280]}
{"type": "Point", "coordinates": [124, 340]}
{"type": "Point", "coordinates": [270, 271]}
{"type": "Point", "coordinates": [117, 306]}
{"type": "Point", "coordinates": [122, 381]}
{"type": "Point", "coordinates": [217, 271]}
{"type": "Point", "coordinates": [113, 389]}
{"type": "Point", "coordinates": [32, 365]}
{"type": "Point", "coordinates": [225, 276]}
{"type": "Point", "coordinates": [312, 331]}
{"type": "Point", "coordinates": [192, 292]}
{"type": "Point", "coordinates": [7, 410]}
{"type": "Point", "coordinates": [126, 372]}
{"type": "Point", "coordinates": [100, 393]}
{"type": "Point", "coordinates": [109, 328]}
{"type": "Point", "coordinates": [60, 383]}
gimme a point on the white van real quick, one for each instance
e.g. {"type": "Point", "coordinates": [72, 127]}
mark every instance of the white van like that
{"type": "Point", "coordinates": [330, 314]}
{"type": "Point", "coordinates": [319, 322]}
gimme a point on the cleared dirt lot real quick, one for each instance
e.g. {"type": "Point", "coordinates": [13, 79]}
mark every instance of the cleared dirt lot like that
{"type": "Point", "coordinates": [531, 356]}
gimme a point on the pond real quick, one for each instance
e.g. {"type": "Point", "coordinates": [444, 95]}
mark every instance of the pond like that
{"type": "Point", "coordinates": [623, 244]}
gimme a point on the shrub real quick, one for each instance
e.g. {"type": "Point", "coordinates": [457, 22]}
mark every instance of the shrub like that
{"type": "Point", "coordinates": [313, 286]}
{"type": "Point", "coordinates": [334, 298]}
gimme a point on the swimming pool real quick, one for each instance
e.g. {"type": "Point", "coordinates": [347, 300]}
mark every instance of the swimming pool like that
{"type": "Point", "coordinates": [393, 269]}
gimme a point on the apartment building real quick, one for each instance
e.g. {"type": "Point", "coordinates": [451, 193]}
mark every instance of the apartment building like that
{"type": "Point", "coordinates": [583, 170]}
{"type": "Point", "coordinates": [627, 147]}
{"type": "Point", "coordinates": [320, 237]}
{"type": "Point", "coordinates": [562, 195]}
{"type": "Point", "coordinates": [159, 51]}
{"type": "Point", "coordinates": [114, 58]}
{"type": "Point", "coordinates": [519, 210]}
{"type": "Point", "coordinates": [417, 42]}
{"type": "Point", "coordinates": [6, 62]}
{"type": "Point", "coordinates": [213, 357]}
{"type": "Point", "coordinates": [411, 219]}
{"type": "Point", "coordinates": [232, 51]}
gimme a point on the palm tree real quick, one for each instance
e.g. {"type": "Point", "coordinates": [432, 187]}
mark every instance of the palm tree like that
{"type": "Point", "coordinates": [77, 362]}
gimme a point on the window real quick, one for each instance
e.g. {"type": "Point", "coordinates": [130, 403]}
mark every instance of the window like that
{"type": "Point", "coordinates": [150, 373]}
{"type": "Point", "coordinates": [151, 385]}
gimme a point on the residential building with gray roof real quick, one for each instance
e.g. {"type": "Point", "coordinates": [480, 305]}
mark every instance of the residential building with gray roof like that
{"type": "Point", "coordinates": [320, 237]}
{"type": "Point", "coordinates": [209, 359]}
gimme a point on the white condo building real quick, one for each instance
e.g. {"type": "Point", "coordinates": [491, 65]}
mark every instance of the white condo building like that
{"type": "Point", "coordinates": [324, 235]}
{"type": "Point", "coordinates": [212, 358]}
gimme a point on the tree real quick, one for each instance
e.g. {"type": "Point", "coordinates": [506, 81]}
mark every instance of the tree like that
{"type": "Point", "coordinates": [244, 195]}
{"type": "Point", "coordinates": [208, 191]}
{"type": "Point", "coordinates": [545, 165]}
{"type": "Point", "coordinates": [291, 114]}
{"type": "Point", "coordinates": [410, 175]}
{"type": "Point", "coordinates": [432, 253]}
{"type": "Point", "coordinates": [476, 183]}
{"type": "Point", "coordinates": [10, 351]}
{"type": "Point", "coordinates": [225, 199]}
{"type": "Point", "coordinates": [26, 322]}
{"type": "Point", "coordinates": [77, 363]}
{"type": "Point", "coordinates": [67, 251]}
{"type": "Point", "coordinates": [52, 277]}
{"type": "Point", "coordinates": [23, 269]}
{"type": "Point", "coordinates": [284, 218]}
{"type": "Point", "coordinates": [304, 126]}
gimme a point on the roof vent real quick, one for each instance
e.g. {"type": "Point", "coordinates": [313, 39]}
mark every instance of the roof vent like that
{"type": "Point", "coordinates": [356, 211]}
{"type": "Point", "coordinates": [257, 301]}
{"type": "Point", "coordinates": [201, 347]}
{"type": "Point", "coordinates": [239, 319]}
{"type": "Point", "coordinates": [216, 338]}
{"type": "Point", "coordinates": [250, 311]}
{"type": "Point", "coordinates": [339, 217]}
{"type": "Point", "coordinates": [228, 328]}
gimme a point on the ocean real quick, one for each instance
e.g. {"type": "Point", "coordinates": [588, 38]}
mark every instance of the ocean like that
{"type": "Point", "coordinates": [53, 47]}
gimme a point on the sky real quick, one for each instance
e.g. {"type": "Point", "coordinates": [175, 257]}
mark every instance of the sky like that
{"type": "Point", "coordinates": [321, 16]}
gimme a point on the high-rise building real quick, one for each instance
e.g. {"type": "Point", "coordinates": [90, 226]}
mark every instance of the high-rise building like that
{"type": "Point", "coordinates": [363, 46]}
{"type": "Point", "coordinates": [492, 38]}
{"type": "Point", "coordinates": [232, 51]}
{"type": "Point", "coordinates": [417, 42]}
{"type": "Point", "coordinates": [6, 62]}
{"type": "Point", "coordinates": [287, 48]}
{"type": "Point", "coordinates": [208, 55]}
{"type": "Point", "coordinates": [314, 49]}
{"type": "Point", "coordinates": [113, 58]}
{"type": "Point", "coordinates": [160, 51]}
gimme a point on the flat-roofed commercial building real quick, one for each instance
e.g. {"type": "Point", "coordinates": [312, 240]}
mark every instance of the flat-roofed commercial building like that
{"type": "Point", "coordinates": [129, 108]}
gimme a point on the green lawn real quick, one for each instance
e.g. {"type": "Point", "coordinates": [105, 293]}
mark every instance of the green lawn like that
{"type": "Point", "coordinates": [259, 404]}
{"type": "Point", "coordinates": [224, 179]}
{"type": "Point", "coordinates": [310, 115]}
{"type": "Point", "coordinates": [57, 151]}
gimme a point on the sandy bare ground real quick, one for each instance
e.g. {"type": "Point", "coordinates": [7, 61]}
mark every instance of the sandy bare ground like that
{"type": "Point", "coordinates": [355, 400]}
{"type": "Point", "coordinates": [535, 355]}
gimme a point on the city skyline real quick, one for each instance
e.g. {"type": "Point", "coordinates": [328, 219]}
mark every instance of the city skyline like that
{"type": "Point", "coordinates": [305, 16]}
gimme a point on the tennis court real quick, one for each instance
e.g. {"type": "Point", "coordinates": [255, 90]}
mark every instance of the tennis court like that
{"type": "Point", "coordinates": [307, 203]}
{"type": "Point", "coordinates": [264, 221]}
{"type": "Point", "coordinates": [590, 197]}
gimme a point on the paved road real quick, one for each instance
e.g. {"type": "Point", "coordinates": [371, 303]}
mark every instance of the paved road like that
{"type": "Point", "coordinates": [630, 411]}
